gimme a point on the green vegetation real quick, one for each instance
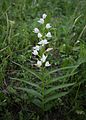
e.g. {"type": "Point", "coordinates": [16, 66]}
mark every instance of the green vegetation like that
{"type": "Point", "coordinates": [57, 92]}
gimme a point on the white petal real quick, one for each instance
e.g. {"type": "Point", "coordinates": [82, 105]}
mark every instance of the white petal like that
{"type": "Point", "coordinates": [47, 64]}
{"type": "Point", "coordinates": [44, 16]}
{"type": "Point", "coordinates": [43, 59]}
{"type": "Point", "coordinates": [41, 21]}
{"type": "Point", "coordinates": [43, 42]}
{"type": "Point", "coordinates": [49, 49]}
{"type": "Point", "coordinates": [77, 41]}
{"type": "Point", "coordinates": [39, 35]}
{"type": "Point", "coordinates": [39, 63]}
{"type": "Point", "coordinates": [49, 35]}
{"type": "Point", "coordinates": [36, 30]}
{"type": "Point", "coordinates": [37, 47]}
{"type": "Point", "coordinates": [48, 26]}
{"type": "Point", "coordinates": [35, 52]}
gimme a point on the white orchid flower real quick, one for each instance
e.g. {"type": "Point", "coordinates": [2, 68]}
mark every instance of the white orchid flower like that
{"type": "Point", "coordinates": [48, 26]}
{"type": "Point", "coordinates": [37, 48]}
{"type": "Point", "coordinates": [43, 42]}
{"type": "Point", "coordinates": [77, 41]}
{"type": "Point", "coordinates": [49, 35]}
{"type": "Point", "coordinates": [35, 52]}
{"type": "Point", "coordinates": [39, 35]}
{"type": "Point", "coordinates": [43, 59]}
{"type": "Point", "coordinates": [44, 16]}
{"type": "Point", "coordinates": [39, 63]}
{"type": "Point", "coordinates": [47, 64]}
{"type": "Point", "coordinates": [49, 49]}
{"type": "Point", "coordinates": [36, 30]}
{"type": "Point", "coordinates": [41, 21]}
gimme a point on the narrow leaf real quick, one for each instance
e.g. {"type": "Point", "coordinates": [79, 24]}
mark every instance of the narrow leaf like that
{"type": "Point", "coordinates": [57, 87]}
{"type": "Point", "coordinates": [29, 70]}
{"type": "Point", "coordinates": [55, 96]}
{"type": "Point", "coordinates": [59, 78]}
{"type": "Point", "coordinates": [31, 91]}
{"type": "Point", "coordinates": [59, 69]}
{"type": "Point", "coordinates": [27, 82]}
{"type": "Point", "coordinates": [37, 102]}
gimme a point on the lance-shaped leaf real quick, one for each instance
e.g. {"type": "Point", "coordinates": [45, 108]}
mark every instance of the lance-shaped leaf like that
{"type": "Point", "coordinates": [57, 87]}
{"type": "Point", "coordinates": [30, 91]}
{"type": "Point", "coordinates": [60, 78]}
{"type": "Point", "coordinates": [37, 102]}
{"type": "Point", "coordinates": [59, 69]}
{"type": "Point", "coordinates": [27, 82]}
{"type": "Point", "coordinates": [54, 96]}
{"type": "Point", "coordinates": [29, 70]}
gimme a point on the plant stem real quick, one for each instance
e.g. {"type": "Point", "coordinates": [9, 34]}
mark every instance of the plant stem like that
{"type": "Point", "coordinates": [43, 88]}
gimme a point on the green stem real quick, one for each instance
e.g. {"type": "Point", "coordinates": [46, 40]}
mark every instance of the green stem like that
{"type": "Point", "coordinates": [43, 88]}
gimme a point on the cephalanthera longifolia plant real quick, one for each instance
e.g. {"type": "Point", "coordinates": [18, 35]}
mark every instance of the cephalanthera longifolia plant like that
{"type": "Point", "coordinates": [45, 89]}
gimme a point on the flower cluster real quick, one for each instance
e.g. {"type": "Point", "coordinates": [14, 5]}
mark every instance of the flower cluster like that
{"type": "Point", "coordinates": [40, 50]}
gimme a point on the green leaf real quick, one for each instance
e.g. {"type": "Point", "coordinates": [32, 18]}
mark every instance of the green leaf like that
{"type": "Point", "coordinates": [55, 96]}
{"type": "Point", "coordinates": [59, 78]}
{"type": "Point", "coordinates": [30, 91]}
{"type": "Point", "coordinates": [57, 87]}
{"type": "Point", "coordinates": [48, 106]}
{"type": "Point", "coordinates": [37, 102]}
{"type": "Point", "coordinates": [64, 68]}
{"type": "Point", "coordinates": [27, 82]}
{"type": "Point", "coordinates": [29, 70]}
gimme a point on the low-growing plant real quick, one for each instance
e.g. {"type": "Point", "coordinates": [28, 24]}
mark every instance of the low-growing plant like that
{"type": "Point", "coordinates": [46, 88]}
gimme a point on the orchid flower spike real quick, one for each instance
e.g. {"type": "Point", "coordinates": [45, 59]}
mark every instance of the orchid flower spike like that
{"type": "Point", "coordinates": [40, 49]}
